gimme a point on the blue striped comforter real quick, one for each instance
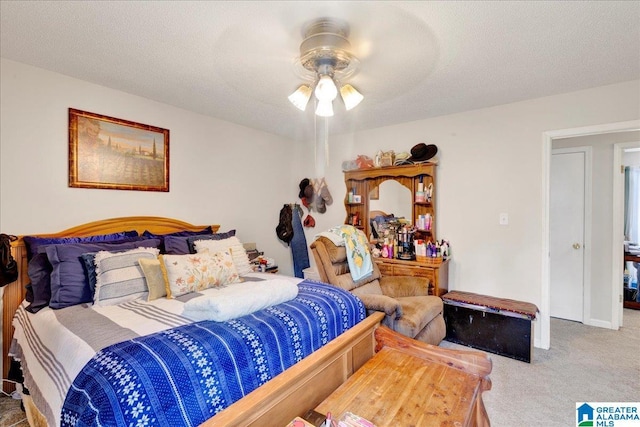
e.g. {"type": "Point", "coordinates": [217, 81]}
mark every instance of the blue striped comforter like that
{"type": "Point", "coordinates": [185, 375]}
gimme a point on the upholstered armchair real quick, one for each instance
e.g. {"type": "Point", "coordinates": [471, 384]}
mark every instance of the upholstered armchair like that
{"type": "Point", "coordinates": [405, 300]}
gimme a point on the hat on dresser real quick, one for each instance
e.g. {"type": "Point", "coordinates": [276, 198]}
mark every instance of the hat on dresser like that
{"type": "Point", "coordinates": [422, 152]}
{"type": "Point", "coordinates": [402, 159]}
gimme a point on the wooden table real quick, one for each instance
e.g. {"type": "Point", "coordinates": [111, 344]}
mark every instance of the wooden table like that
{"type": "Point", "coordinates": [410, 383]}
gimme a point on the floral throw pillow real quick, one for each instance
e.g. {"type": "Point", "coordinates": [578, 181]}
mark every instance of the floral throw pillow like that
{"type": "Point", "coordinates": [194, 272]}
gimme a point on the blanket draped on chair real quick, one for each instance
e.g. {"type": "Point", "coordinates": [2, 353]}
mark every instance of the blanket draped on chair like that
{"type": "Point", "coordinates": [357, 247]}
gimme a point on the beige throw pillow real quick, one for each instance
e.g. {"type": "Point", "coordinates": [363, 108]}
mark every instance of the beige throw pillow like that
{"type": "Point", "coordinates": [155, 279]}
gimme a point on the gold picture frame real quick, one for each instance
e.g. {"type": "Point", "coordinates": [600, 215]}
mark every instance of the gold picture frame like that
{"type": "Point", "coordinates": [110, 153]}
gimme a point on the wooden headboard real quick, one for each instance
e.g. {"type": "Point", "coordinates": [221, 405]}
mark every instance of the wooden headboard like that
{"type": "Point", "coordinates": [15, 292]}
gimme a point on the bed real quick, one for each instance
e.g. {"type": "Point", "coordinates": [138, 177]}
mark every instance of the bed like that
{"type": "Point", "coordinates": [271, 398]}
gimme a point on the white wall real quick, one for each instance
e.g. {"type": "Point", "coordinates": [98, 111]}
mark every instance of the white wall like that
{"type": "Point", "coordinates": [220, 172]}
{"type": "Point", "coordinates": [490, 162]}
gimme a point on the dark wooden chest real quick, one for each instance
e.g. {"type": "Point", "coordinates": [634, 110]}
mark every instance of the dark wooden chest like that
{"type": "Point", "coordinates": [496, 325]}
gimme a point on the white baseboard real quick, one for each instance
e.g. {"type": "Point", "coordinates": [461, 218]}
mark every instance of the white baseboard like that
{"type": "Point", "coordinates": [599, 323]}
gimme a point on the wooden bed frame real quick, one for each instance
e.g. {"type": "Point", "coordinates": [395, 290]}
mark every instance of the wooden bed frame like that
{"type": "Point", "coordinates": [290, 394]}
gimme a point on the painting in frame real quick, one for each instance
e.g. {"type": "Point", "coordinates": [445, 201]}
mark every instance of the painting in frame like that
{"type": "Point", "coordinates": [105, 152]}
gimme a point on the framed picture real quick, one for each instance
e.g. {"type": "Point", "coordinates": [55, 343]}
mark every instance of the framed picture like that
{"type": "Point", "coordinates": [105, 152]}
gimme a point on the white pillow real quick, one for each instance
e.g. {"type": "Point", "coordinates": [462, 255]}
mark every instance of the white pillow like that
{"type": "Point", "coordinates": [188, 273]}
{"type": "Point", "coordinates": [119, 277]}
{"type": "Point", "coordinates": [232, 244]}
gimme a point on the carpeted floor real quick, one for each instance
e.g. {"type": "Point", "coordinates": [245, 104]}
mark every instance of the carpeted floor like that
{"type": "Point", "coordinates": [10, 413]}
{"type": "Point", "coordinates": [584, 364]}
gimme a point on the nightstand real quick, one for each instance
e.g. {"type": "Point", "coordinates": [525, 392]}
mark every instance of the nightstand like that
{"type": "Point", "coordinates": [269, 264]}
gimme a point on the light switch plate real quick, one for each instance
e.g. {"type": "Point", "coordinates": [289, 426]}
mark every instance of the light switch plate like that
{"type": "Point", "coordinates": [504, 219]}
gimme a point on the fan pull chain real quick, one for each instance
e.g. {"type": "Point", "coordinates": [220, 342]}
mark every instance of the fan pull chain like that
{"type": "Point", "coordinates": [326, 143]}
{"type": "Point", "coordinates": [321, 142]}
{"type": "Point", "coordinates": [315, 138]}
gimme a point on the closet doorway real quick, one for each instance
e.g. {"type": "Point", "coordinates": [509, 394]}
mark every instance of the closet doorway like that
{"type": "Point", "coordinates": [605, 306]}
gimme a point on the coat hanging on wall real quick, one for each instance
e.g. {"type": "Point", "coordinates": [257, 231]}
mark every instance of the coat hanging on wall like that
{"type": "Point", "coordinates": [299, 248]}
{"type": "Point", "coordinates": [284, 230]}
{"type": "Point", "coordinates": [8, 266]}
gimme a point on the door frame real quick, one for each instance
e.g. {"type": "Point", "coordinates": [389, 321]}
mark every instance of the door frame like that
{"type": "Point", "coordinates": [545, 296]}
{"type": "Point", "coordinates": [618, 216]}
{"type": "Point", "coordinates": [587, 218]}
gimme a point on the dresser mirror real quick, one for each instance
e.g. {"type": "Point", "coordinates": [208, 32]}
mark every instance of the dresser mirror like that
{"type": "Point", "coordinates": [390, 190]}
{"type": "Point", "coordinates": [393, 198]}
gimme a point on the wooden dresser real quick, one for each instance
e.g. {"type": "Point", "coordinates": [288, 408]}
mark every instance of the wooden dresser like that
{"type": "Point", "coordinates": [437, 273]}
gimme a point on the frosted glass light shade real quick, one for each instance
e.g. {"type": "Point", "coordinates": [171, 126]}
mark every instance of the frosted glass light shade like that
{"type": "Point", "coordinates": [301, 96]}
{"type": "Point", "coordinates": [325, 92]}
{"type": "Point", "coordinates": [324, 108]}
{"type": "Point", "coordinates": [350, 96]}
{"type": "Point", "coordinates": [326, 89]}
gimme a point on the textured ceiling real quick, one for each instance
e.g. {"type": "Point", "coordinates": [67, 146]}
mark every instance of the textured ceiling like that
{"type": "Point", "coordinates": [233, 60]}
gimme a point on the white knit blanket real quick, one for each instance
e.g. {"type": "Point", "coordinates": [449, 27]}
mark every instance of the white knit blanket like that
{"type": "Point", "coordinates": [239, 299]}
{"type": "Point", "coordinates": [332, 235]}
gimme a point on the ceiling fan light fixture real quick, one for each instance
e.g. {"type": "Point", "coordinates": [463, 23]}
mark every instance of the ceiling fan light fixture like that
{"type": "Point", "coordinates": [301, 96]}
{"type": "Point", "coordinates": [327, 60]}
{"type": "Point", "coordinates": [350, 96]}
{"type": "Point", "coordinates": [324, 108]}
{"type": "Point", "coordinates": [326, 89]}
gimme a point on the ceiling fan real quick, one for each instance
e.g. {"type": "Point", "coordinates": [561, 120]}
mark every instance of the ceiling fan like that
{"type": "Point", "coordinates": [326, 62]}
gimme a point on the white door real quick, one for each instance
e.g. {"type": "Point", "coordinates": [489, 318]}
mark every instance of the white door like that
{"type": "Point", "coordinates": [566, 234]}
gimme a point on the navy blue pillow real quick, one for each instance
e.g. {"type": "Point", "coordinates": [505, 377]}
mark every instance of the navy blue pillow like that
{"type": "Point", "coordinates": [214, 236]}
{"type": "Point", "coordinates": [39, 268]}
{"type": "Point", "coordinates": [176, 243]}
{"type": "Point", "coordinates": [89, 261]}
{"type": "Point", "coordinates": [206, 230]}
{"type": "Point", "coordinates": [28, 295]}
{"type": "Point", "coordinates": [34, 242]}
{"type": "Point", "coordinates": [69, 282]}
